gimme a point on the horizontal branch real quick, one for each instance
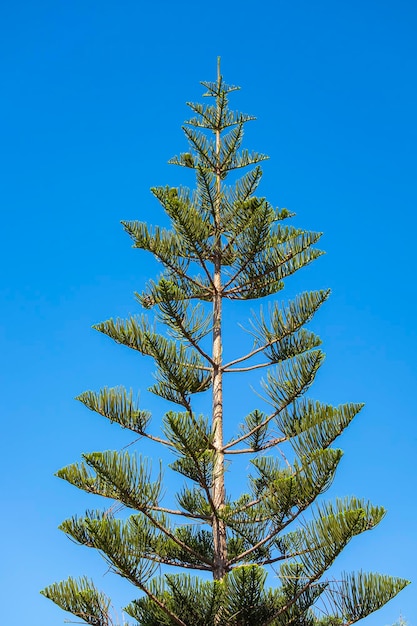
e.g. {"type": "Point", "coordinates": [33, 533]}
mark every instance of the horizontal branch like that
{"type": "Point", "coordinates": [291, 555]}
{"type": "Point", "coordinates": [157, 439]}
{"type": "Point", "coordinates": [206, 356]}
{"type": "Point", "coordinates": [247, 369]}
{"type": "Point", "coordinates": [162, 509]}
{"type": "Point", "coordinates": [249, 355]}
{"type": "Point", "coordinates": [165, 561]}
{"type": "Point", "coordinates": [266, 446]}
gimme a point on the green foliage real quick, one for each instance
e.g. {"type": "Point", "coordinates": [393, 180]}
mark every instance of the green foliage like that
{"type": "Point", "coordinates": [224, 243]}
{"type": "Point", "coordinates": [82, 599]}
{"type": "Point", "coordinates": [118, 406]}
{"type": "Point", "coordinates": [117, 476]}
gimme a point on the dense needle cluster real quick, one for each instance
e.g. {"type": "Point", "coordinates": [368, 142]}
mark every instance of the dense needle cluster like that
{"type": "Point", "coordinates": [225, 242]}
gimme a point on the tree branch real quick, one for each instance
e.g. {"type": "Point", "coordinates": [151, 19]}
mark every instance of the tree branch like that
{"type": "Point", "coordinates": [253, 353]}
{"type": "Point", "coordinates": [162, 509]}
{"type": "Point", "coordinates": [255, 279]}
{"type": "Point", "coordinates": [157, 439]}
{"type": "Point", "coordinates": [295, 598]}
{"type": "Point", "coordinates": [249, 368]}
{"type": "Point", "coordinates": [161, 605]}
{"type": "Point", "coordinates": [271, 535]}
{"type": "Point", "coordinates": [252, 432]}
{"type": "Point", "coordinates": [175, 539]}
{"type": "Point", "coordinates": [165, 561]}
{"type": "Point", "coordinates": [266, 446]}
{"type": "Point", "coordinates": [179, 272]}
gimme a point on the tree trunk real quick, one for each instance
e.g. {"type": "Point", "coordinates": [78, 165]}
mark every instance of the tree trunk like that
{"type": "Point", "coordinates": [218, 492]}
{"type": "Point", "coordinates": [219, 528]}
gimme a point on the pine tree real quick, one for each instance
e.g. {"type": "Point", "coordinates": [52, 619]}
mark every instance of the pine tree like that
{"type": "Point", "coordinates": [225, 243]}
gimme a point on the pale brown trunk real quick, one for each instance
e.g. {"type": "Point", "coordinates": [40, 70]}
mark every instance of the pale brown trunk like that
{"type": "Point", "coordinates": [218, 491]}
{"type": "Point", "coordinates": [218, 495]}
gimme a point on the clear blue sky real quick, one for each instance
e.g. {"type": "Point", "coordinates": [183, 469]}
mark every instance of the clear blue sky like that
{"type": "Point", "coordinates": [92, 100]}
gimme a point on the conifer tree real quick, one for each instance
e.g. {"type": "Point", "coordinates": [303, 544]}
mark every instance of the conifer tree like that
{"type": "Point", "coordinates": [225, 243]}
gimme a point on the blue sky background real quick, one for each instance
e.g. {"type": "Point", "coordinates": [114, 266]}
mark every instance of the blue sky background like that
{"type": "Point", "coordinates": [92, 99]}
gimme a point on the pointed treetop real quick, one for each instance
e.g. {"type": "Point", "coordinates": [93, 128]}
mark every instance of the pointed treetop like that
{"type": "Point", "coordinates": [218, 88]}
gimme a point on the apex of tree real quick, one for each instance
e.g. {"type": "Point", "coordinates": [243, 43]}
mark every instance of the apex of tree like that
{"type": "Point", "coordinates": [225, 243]}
